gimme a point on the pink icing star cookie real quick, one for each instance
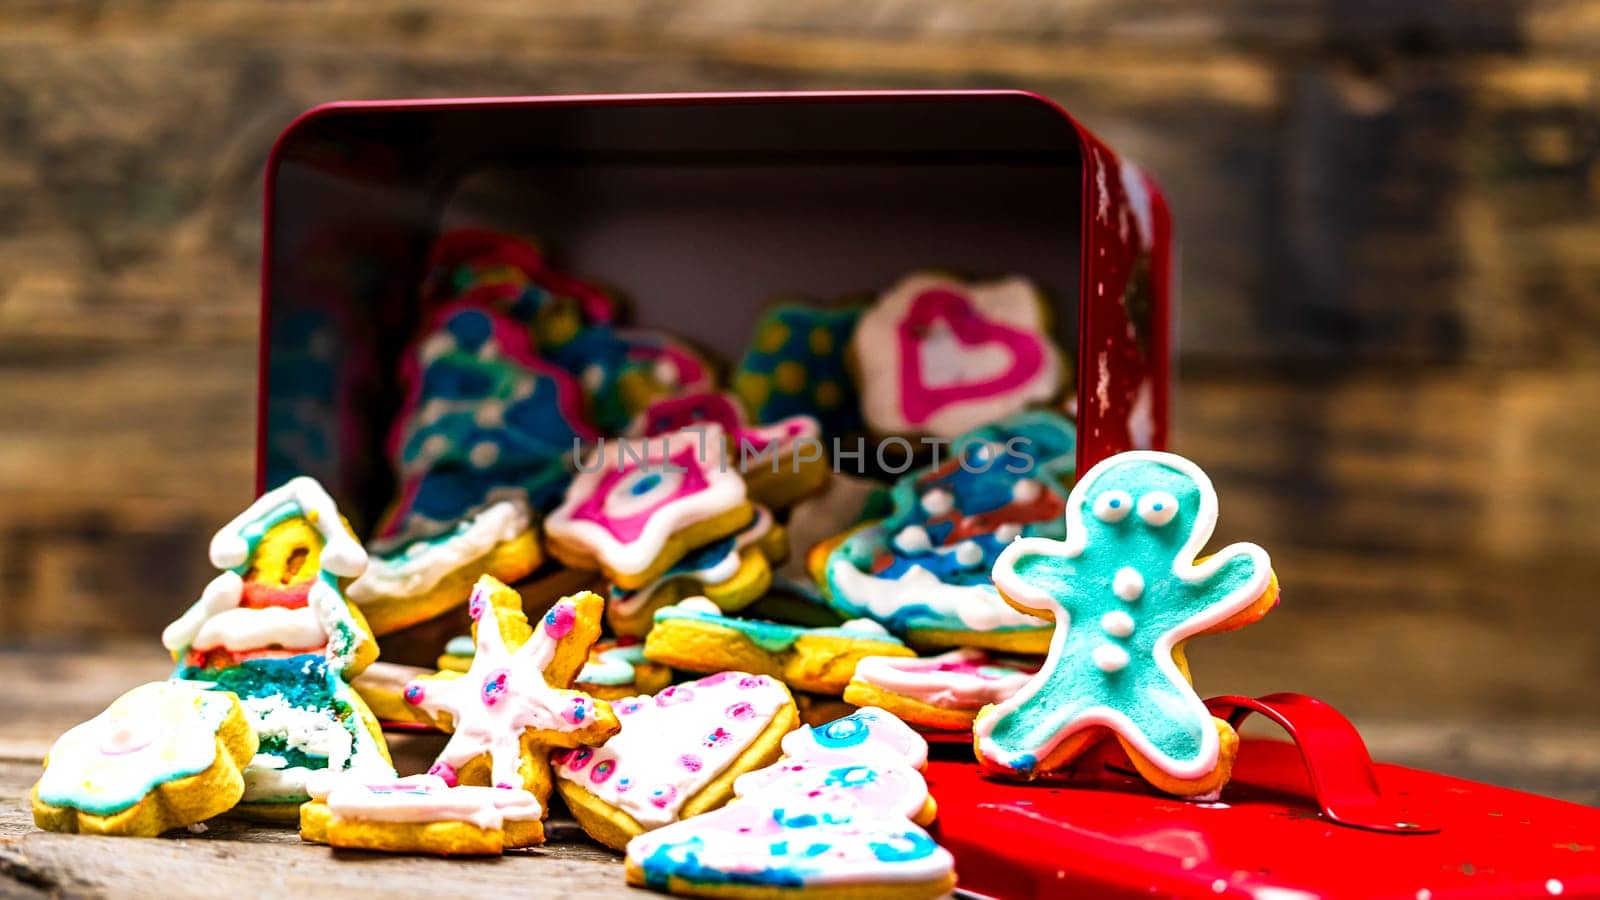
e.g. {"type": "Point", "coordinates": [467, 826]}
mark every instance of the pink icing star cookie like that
{"type": "Point", "coordinates": [944, 691]}
{"type": "Point", "coordinates": [838, 814]}
{"type": "Point", "coordinates": [782, 461]}
{"type": "Point", "coordinates": [677, 754]}
{"type": "Point", "coordinates": [940, 356]}
{"type": "Point", "coordinates": [638, 506]}
{"type": "Point", "coordinates": [513, 703]}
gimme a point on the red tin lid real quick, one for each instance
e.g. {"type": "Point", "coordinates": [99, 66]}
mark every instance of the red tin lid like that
{"type": "Point", "coordinates": [1275, 833]}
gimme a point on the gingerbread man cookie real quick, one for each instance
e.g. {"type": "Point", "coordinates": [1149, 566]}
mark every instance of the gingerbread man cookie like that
{"type": "Point", "coordinates": [1126, 591]}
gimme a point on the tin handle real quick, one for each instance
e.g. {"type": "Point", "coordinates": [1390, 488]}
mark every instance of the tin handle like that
{"type": "Point", "coordinates": [1336, 759]}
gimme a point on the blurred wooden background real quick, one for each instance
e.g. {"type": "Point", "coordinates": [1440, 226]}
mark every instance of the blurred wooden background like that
{"type": "Point", "coordinates": [1390, 328]}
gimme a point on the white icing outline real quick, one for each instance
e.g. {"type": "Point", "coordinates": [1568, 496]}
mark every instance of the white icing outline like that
{"type": "Point", "coordinates": [1012, 301]}
{"type": "Point", "coordinates": [341, 555]}
{"type": "Point", "coordinates": [724, 491]}
{"type": "Point", "coordinates": [404, 575]}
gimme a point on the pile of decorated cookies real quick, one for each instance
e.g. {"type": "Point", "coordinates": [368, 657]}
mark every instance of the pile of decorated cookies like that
{"type": "Point", "coordinates": [721, 651]}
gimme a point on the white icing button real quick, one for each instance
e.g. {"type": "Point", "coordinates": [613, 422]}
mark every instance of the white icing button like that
{"type": "Point", "coordinates": [969, 554]}
{"type": "Point", "coordinates": [484, 454]}
{"type": "Point", "coordinates": [938, 502]}
{"type": "Point", "coordinates": [1157, 508]}
{"type": "Point", "coordinates": [1113, 506]}
{"type": "Point", "coordinates": [1117, 623]}
{"type": "Point", "coordinates": [490, 414]}
{"type": "Point", "coordinates": [433, 411]}
{"type": "Point", "coordinates": [523, 389]}
{"type": "Point", "coordinates": [593, 377]}
{"type": "Point", "coordinates": [1026, 490]}
{"type": "Point", "coordinates": [1110, 658]}
{"type": "Point", "coordinates": [665, 371]}
{"type": "Point", "coordinates": [699, 605]}
{"type": "Point", "coordinates": [1128, 584]}
{"type": "Point", "coordinates": [433, 447]}
{"type": "Point", "coordinates": [865, 626]}
{"type": "Point", "coordinates": [913, 539]}
{"type": "Point", "coordinates": [438, 344]}
{"type": "Point", "coordinates": [488, 351]}
{"type": "Point", "coordinates": [1005, 534]}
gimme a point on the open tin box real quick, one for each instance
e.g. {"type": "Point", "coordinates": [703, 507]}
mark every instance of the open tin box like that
{"type": "Point", "coordinates": [702, 210]}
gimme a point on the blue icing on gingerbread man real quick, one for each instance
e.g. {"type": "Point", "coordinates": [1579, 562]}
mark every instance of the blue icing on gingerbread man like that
{"type": "Point", "coordinates": [1125, 591]}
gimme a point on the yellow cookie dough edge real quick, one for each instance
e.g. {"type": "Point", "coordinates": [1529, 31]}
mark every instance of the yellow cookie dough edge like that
{"type": "Point", "coordinates": [614, 827]}
{"type": "Point", "coordinates": [507, 561]}
{"type": "Point", "coordinates": [175, 804]}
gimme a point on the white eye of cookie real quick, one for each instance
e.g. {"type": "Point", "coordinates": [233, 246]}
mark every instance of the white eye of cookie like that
{"type": "Point", "coordinates": [1157, 508]}
{"type": "Point", "coordinates": [1113, 506]}
{"type": "Point", "coordinates": [640, 491]}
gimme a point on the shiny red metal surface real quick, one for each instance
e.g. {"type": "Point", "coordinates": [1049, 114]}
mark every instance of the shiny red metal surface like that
{"type": "Point", "coordinates": [1314, 818]}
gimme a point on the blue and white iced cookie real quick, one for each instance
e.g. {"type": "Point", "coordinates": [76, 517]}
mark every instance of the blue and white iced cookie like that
{"type": "Point", "coordinates": [695, 636]}
{"type": "Point", "coordinates": [483, 417]}
{"type": "Point", "coordinates": [732, 572]}
{"type": "Point", "coordinates": [837, 816]}
{"type": "Point", "coordinates": [924, 571]}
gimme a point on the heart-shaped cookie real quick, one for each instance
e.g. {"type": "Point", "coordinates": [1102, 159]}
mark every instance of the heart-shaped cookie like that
{"type": "Point", "coordinates": [940, 356]}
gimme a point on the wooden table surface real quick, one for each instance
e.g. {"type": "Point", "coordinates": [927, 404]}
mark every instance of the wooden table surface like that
{"type": "Point", "coordinates": [48, 691]}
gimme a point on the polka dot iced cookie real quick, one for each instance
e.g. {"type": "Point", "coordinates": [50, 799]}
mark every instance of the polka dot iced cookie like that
{"type": "Point", "coordinates": [677, 754]}
{"type": "Point", "coordinates": [796, 366]}
{"type": "Point", "coordinates": [924, 571]}
{"type": "Point", "coordinates": [1126, 591]}
{"type": "Point", "coordinates": [162, 756]}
